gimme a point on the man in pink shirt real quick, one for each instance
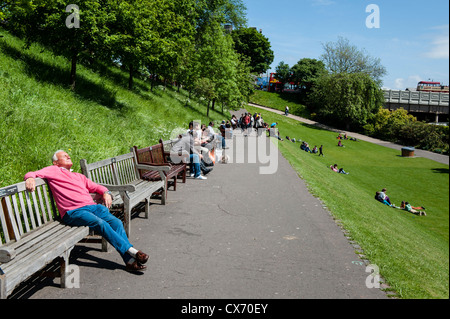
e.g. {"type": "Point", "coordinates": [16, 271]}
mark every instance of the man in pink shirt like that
{"type": "Point", "coordinates": [71, 192]}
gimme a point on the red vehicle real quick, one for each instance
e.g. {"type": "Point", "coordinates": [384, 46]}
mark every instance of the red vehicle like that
{"type": "Point", "coordinates": [429, 86]}
{"type": "Point", "coordinates": [274, 84]}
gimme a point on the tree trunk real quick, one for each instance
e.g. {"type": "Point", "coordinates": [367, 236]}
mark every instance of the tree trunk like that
{"type": "Point", "coordinates": [213, 103]}
{"type": "Point", "coordinates": [130, 79]}
{"type": "Point", "coordinates": [73, 71]}
{"type": "Point", "coordinates": [207, 110]}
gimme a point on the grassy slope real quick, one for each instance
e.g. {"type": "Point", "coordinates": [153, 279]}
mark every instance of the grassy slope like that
{"type": "Point", "coordinates": [411, 251]}
{"type": "Point", "coordinates": [100, 119]}
{"type": "Point", "coordinates": [103, 119]}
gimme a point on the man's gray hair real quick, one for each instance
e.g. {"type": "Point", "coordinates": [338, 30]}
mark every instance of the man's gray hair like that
{"type": "Point", "coordinates": [54, 158]}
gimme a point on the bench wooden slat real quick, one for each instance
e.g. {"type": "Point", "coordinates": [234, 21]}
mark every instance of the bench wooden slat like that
{"type": "Point", "coordinates": [4, 235]}
{"type": "Point", "coordinates": [53, 248]}
{"type": "Point", "coordinates": [25, 214]}
{"type": "Point", "coordinates": [15, 234]}
{"type": "Point", "coordinates": [33, 203]}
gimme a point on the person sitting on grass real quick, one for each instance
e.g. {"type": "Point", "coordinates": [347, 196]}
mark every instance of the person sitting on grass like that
{"type": "Point", "coordinates": [340, 143]}
{"type": "Point", "coordinates": [414, 210]}
{"type": "Point", "coordinates": [76, 207]}
{"type": "Point", "coordinates": [382, 199]}
{"type": "Point", "coordinates": [384, 196]}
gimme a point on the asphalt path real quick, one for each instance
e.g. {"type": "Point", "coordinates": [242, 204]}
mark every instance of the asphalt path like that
{"type": "Point", "coordinates": [239, 234]}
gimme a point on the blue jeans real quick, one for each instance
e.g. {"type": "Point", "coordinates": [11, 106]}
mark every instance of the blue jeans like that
{"type": "Point", "coordinates": [194, 165]}
{"type": "Point", "coordinates": [98, 218]}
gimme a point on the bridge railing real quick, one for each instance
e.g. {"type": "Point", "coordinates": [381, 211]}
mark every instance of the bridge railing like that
{"type": "Point", "coordinates": [416, 97]}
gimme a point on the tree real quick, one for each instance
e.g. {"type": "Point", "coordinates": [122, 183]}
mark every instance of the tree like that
{"type": "Point", "coordinates": [283, 72]}
{"type": "Point", "coordinates": [346, 100]}
{"type": "Point", "coordinates": [343, 57]}
{"type": "Point", "coordinates": [45, 21]}
{"type": "Point", "coordinates": [307, 71]}
{"type": "Point", "coordinates": [132, 41]}
{"type": "Point", "coordinates": [252, 44]}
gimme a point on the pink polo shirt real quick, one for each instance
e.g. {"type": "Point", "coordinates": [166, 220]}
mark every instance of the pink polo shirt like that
{"type": "Point", "coordinates": [70, 190]}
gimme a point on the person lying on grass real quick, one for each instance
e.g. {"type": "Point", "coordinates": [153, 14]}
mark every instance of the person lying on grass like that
{"type": "Point", "coordinates": [414, 210]}
{"type": "Point", "coordinates": [334, 168]}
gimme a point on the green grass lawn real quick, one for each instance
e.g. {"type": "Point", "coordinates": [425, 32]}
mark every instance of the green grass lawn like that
{"type": "Point", "coordinates": [279, 101]}
{"type": "Point", "coordinates": [412, 252]}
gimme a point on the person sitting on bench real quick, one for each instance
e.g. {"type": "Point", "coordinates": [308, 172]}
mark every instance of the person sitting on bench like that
{"type": "Point", "coordinates": [76, 207]}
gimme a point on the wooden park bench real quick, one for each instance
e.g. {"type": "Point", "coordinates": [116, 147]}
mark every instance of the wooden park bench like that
{"type": "Point", "coordinates": [32, 235]}
{"type": "Point", "coordinates": [120, 175]}
{"type": "Point", "coordinates": [155, 155]}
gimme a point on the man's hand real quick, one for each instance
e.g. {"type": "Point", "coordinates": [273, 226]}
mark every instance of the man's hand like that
{"type": "Point", "coordinates": [30, 184]}
{"type": "Point", "coordinates": [107, 199]}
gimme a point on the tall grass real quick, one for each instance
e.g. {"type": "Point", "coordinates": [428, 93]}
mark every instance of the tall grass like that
{"type": "Point", "coordinates": [100, 119]}
{"type": "Point", "coordinates": [412, 252]}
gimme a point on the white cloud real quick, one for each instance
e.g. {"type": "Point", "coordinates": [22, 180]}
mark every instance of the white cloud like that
{"type": "Point", "coordinates": [410, 82]}
{"type": "Point", "coordinates": [439, 47]}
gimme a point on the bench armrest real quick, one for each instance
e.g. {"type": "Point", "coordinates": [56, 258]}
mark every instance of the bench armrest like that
{"type": "Point", "coordinates": [126, 188]}
{"type": "Point", "coordinates": [154, 167]}
{"type": "Point", "coordinates": [7, 254]}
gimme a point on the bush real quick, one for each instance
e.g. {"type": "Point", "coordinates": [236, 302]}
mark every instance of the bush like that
{"type": "Point", "coordinates": [400, 127]}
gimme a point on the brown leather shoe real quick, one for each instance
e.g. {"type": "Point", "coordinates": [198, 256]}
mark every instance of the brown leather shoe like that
{"type": "Point", "coordinates": [135, 266]}
{"type": "Point", "coordinates": [141, 257]}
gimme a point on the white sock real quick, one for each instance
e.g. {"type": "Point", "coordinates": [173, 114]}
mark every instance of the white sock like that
{"type": "Point", "coordinates": [132, 251]}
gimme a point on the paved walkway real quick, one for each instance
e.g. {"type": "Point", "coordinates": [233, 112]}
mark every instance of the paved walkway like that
{"type": "Point", "coordinates": [444, 159]}
{"type": "Point", "coordinates": [238, 235]}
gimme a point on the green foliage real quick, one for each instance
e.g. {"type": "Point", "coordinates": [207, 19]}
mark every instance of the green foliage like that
{"type": "Point", "coordinates": [101, 119]}
{"type": "Point", "coordinates": [172, 41]}
{"type": "Point", "coordinates": [283, 72]}
{"type": "Point", "coordinates": [252, 44]}
{"type": "Point", "coordinates": [399, 127]}
{"type": "Point", "coordinates": [346, 99]}
{"type": "Point", "coordinates": [307, 71]}
{"type": "Point", "coordinates": [343, 57]}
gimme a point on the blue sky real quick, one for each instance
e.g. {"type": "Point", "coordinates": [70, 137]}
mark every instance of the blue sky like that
{"type": "Point", "coordinates": [412, 40]}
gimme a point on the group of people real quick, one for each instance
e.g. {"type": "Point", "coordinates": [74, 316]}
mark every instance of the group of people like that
{"type": "Point", "coordinates": [383, 198]}
{"type": "Point", "coordinates": [247, 122]}
{"type": "Point", "coordinates": [71, 190]}
{"type": "Point", "coordinates": [197, 147]}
